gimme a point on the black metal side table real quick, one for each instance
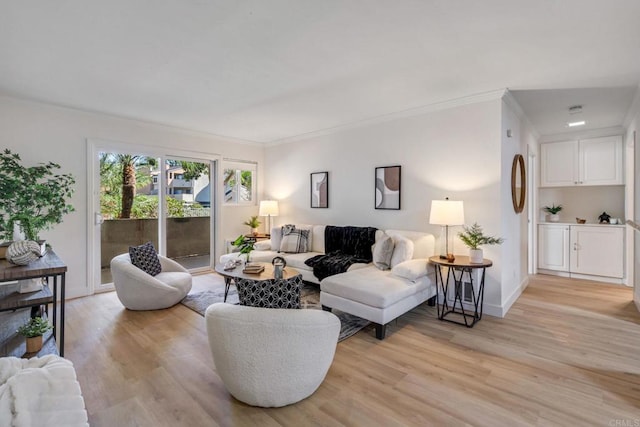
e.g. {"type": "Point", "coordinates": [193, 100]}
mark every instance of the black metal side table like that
{"type": "Point", "coordinates": [456, 271]}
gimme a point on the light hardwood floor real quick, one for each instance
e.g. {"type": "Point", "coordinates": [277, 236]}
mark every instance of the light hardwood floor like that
{"type": "Point", "coordinates": [567, 353]}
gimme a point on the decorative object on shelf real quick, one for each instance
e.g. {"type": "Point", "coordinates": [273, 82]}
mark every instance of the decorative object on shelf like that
{"type": "Point", "coordinates": [473, 237]}
{"type": "Point", "coordinates": [447, 213]}
{"type": "Point", "coordinates": [518, 183]}
{"type": "Point", "coordinates": [581, 220]}
{"type": "Point", "coordinates": [387, 187]}
{"type": "Point", "coordinates": [254, 223]}
{"type": "Point", "coordinates": [33, 331]}
{"type": "Point", "coordinates": [33, 197]}
{"type": "Point", "coordinates": [23, 252]}
{"type": "Point", "coordinates": [268, 208]}
{"type": "Point", "coordinates": [553, 212]}
{"type": "Point", "coordinates": [279, 264]}
{"type": "Point", "coordinates": [244, 245]}
{"type": "Point", "coordinates": [320, 190]}
{"type": "Point", "coordinates": [604, 218]}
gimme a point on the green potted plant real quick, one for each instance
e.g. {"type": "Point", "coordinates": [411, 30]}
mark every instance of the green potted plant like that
{"type": "Point", "coordinates": [553, 211]}
{"type": "Point", "coordinates": [254, 224]}
{"type": "Point", "coordinates": [33, 198]}
{"type": "Point", "coordinates": [244, 245]}
{"type": "Point", "coordinates": [33, 331]}
{"type": "Point", "coordinates": [474, 237]}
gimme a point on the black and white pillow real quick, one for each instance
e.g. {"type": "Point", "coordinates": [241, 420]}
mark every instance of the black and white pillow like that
{"type": "Point", "coordinates": [295, 241]}
{"type": "Point", "coordinates": [145, 258]}
{"type": "Point", "coordinates": [273, 293]}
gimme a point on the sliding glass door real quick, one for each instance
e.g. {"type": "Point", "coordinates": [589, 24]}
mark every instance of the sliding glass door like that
{"type": "Point", "coordinates": [141, 196]}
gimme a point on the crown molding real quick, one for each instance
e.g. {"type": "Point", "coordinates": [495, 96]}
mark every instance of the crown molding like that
{"type": "Point", "coordinates": [590, 133]}
{"type": "Point", "coordinates": [411, 112]}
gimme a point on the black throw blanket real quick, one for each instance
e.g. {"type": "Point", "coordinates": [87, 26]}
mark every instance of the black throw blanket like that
{"type": "Point", "coordinates": [343, 246]}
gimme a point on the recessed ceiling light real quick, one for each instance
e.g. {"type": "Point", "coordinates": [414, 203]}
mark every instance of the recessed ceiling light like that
{"type": "Point", "coordinates": [574, 124]}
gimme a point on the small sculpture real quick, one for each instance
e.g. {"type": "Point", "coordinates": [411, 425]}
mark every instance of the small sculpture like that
{"type": "Point", "coordinates": [604, 218]}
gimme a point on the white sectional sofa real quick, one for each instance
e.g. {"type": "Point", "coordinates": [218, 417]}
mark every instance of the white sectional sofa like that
{"type": "Point", "coordinates": [364, 290]}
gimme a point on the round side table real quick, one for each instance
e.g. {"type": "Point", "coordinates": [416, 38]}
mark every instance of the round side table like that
{"type": "Point", "coordinates": [456, 271]}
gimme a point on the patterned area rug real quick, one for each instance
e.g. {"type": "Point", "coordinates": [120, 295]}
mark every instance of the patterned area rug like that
{"type": "Point", "coordinates": [309, 299]}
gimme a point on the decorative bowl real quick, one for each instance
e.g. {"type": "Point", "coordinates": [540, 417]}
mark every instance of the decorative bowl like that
{"type": "Point", "coordinates": [580, 220]}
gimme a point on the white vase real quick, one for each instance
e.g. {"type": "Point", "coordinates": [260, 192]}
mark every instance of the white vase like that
{"type": "Point", "coordinates": [475, 256]}
{"type": "Point", "coordinates": [553, 218]}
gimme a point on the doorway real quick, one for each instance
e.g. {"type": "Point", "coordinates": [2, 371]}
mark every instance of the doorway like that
{"type": "Point", "coordinates": [140, 195]}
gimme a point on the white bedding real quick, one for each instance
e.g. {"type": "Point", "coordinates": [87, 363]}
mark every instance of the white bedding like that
{"type": "Point", "coordinates": [40, 392]}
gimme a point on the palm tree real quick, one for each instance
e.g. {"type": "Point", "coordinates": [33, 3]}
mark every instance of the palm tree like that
{"type": "Point", "coordinates": [128, 164]}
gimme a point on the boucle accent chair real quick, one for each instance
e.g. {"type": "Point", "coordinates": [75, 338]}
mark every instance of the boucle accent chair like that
{"type": "Point", "coordinates": [271, 357]}
{"type": "Point", "coordinates": [138, 290]}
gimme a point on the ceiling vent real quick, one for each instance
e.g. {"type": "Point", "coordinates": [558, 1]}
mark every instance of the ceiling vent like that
{"type": "Point", "coordinates": [575, 109]}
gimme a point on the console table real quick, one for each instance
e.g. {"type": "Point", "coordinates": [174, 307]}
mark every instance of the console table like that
{"type": "Point", "coordinates": [456, 270]}
{"type": "Point", "coordinates": [50, 267]}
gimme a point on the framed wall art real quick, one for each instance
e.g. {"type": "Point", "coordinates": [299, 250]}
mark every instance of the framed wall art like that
{"type": "Point", "coordinates": [320, 190]}
{"type": "Point", "coordinates": [387, 187]}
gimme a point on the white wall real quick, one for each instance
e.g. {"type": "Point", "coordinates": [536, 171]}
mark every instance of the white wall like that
{"type": "Point", "coordinates": [514, 250]}
{"type": "Point", "coordinates": [41, 132]}
{"type": "Point", "coordinates": [455, 153]}
{"type": "Point", "coordinates": [583, 202]}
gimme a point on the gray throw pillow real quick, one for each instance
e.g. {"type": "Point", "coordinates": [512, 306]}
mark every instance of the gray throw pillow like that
{"type": "Point", "coordinates": [382, 252]}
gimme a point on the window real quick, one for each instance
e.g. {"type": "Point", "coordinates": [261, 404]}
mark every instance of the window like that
{"type": "Point", "coordinates": [239, 183]}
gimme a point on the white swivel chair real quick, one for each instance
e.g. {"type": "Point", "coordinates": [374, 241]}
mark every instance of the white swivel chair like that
{"type": "Point", "coordinates": [138, 290]}
{"type": "Point", "coordinates": [271, 357]}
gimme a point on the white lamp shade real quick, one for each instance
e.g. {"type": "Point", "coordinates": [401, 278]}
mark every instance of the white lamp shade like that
{"type": "Point", "coordinates": [446, 212]}
{"type": "Point", "coordinates": [268, 208]}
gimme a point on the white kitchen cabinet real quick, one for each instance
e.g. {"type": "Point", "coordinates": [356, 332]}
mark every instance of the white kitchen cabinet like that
{"type": "Point", "coordinates": [597, 251]}
{"type": "Point", "coordinates": [553, 247]}
{"type": "Point", "coordinates": [582, 250]}
{"type": "Point", "coordinates": [593, 161]}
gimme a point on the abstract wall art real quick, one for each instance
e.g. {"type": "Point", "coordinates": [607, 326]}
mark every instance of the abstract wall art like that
{"type": "Point", "coordinates": [320, 190]}
{"type": "Point", "coordinates": [388, 187]}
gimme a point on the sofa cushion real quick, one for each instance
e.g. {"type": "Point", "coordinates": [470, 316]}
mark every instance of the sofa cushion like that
{"type": "Point", "coordinates": [145, 258]}
{"type": "Point", "coordinates": [382, 252]}
{"type": "Point", "coordinates": [297, 260]}
{"type": "Point", "coordinates": [295, 241]}
{"type": "Point", "coordinates": [262, 256]}
{"type": "Point", "coordinates": [373, 287]}
{"type": "Point", "coordinates": [263, 245]}
{"type": "Point", "coordinates": [411, 270]}
{"type": "Point", "coordinates": [423, 243]}
{"type": "Point", "coordinates": [402, 251]}
{"type": "Point", "coordinates": [317, 238]}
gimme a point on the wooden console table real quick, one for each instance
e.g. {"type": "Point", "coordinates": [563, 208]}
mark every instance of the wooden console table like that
{"type": "Point", "coordinates": [48, 266]}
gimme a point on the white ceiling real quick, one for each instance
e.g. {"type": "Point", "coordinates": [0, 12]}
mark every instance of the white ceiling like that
{"type": "Point", "coordinates": [265, 70]}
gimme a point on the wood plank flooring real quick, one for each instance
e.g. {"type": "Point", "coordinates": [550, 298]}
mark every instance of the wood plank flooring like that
{"type": "Point", "coordinates": [567, 353]}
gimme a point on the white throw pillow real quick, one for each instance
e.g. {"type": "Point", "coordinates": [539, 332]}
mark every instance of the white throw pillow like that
{"type": "Point", "coordinates": [411, 270]}
{"type": "Point", "coordinates": [263, 245]}
{"type": "Point", "coordinates": [382, 252]}
{"type": "Point", "coordinates": [403, 250]}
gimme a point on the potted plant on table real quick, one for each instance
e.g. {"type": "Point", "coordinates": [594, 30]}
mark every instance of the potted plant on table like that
{"type": "Point", "coordinates": [254, 224]}
{"type": "Point", "coordinates": [33, 331]}
{"type": "Point", "coordinates": [553, 211]}
{"type": "Point", "coordinates": [244, 245]}
{"type": "Point", "coordinates": [473, 237]}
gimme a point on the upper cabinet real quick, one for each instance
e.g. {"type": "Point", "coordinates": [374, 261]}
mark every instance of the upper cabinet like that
{"type": "Point", "coordinates": [594, 161]}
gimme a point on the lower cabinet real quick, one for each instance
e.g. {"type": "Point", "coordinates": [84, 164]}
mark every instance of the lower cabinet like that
{"type": "Point", "coordinates": [593, 250]}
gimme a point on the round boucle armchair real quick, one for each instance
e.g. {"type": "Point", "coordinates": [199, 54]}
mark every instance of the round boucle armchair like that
{"type": "Point", "coordinates": [138, 290]}
{"type": "Point", "coordinates": [271, 357]}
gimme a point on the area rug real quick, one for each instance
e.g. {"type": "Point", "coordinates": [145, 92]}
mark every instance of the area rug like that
{"type": "Point", "coordinates": [309, 299]}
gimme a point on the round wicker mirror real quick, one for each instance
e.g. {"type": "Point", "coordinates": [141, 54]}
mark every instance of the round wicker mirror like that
{"type": "Point", "coordinates": [518, 183]}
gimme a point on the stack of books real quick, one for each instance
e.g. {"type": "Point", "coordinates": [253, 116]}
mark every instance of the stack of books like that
{"type": "Point", "coordinates": [253, 269]}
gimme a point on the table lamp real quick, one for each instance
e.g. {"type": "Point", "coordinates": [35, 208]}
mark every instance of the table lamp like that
{"type": "Point", "coordinates": [268, 208]}
{"type": "Point", "coordinates": [447, 213]}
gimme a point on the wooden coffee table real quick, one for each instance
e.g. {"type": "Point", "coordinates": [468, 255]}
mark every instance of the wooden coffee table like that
{"type": "Point", "coordinates": [237, 274]}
